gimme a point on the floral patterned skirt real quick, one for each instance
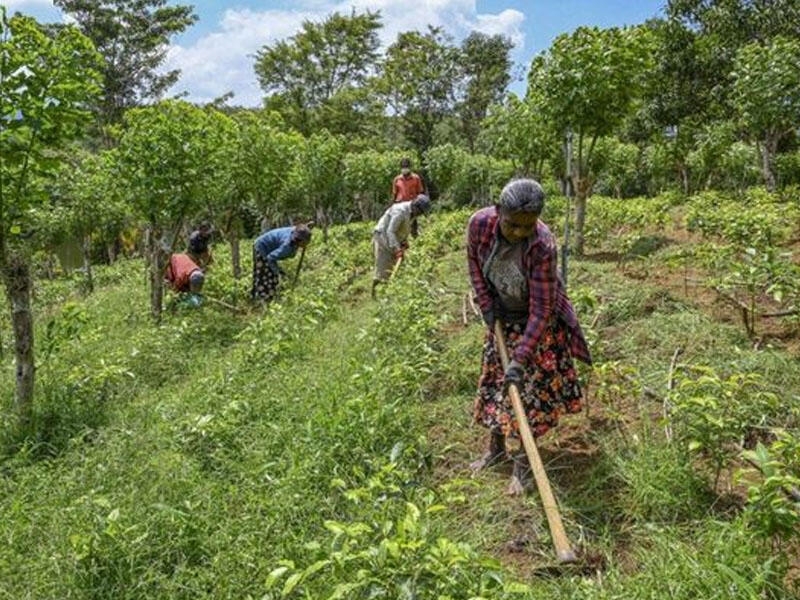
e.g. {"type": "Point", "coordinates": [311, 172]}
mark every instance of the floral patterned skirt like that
{"type": "Point", "coordinates": [550, 385]}
{"type": "Point", "coordinates": [265, 280]}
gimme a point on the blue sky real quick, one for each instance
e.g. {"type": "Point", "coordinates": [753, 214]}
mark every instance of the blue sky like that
{"type": "Point", "coordinates": [216, 55]}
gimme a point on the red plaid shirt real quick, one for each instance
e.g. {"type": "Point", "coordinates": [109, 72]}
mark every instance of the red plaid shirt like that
{"type": "Point", "coordinates": [547, 294]}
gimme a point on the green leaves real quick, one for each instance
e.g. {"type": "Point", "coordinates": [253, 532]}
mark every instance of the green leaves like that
{"type": "Point", "coordinates": [589, 79]}
{"type": "Point", "coordinates": [171, 154]}
{"type": "Point", "coordinates": [418, 79]}
{"type": "Point", "coordinates": [766, 93]}
{"type": "Point", "coordinates": [312, 72]}
{"type": "Point", "coordinates": [133, 37]}
{"type": "Point", "coordinates": [773, 504]}
{"type": "Point", "coordinates": [46, 83]}
{"type": "Point", "coordinates": [712, 412]}
{"type": "Point", "coordinates": [466, 178]}
{"type": "Point", "coordinates": [397, 555]}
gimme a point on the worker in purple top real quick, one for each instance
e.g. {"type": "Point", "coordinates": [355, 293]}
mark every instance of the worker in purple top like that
{"type": "Point", "coordinates": [268, 249]}
{"type": "Point", "coordinates": [512, 259]}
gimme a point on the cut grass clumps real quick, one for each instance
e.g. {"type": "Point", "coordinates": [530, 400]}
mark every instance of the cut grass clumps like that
{"type": "Point", "coordinates": [660, 485]}
{"type": "Point", "coordinates": [715, 560]}
{"type": "Point", "coordinates": [640, 302]}
{"type": "Point", "coordinates": [708, 560]}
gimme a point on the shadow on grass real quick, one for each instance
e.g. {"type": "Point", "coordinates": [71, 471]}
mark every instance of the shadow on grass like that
{"type": "Point", "coordinates": [647, 245]}
{"type": "Point", "coordinates": [63, 413]}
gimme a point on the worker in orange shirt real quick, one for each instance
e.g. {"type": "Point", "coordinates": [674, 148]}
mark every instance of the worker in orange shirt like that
{"type": "Point", "coordinates": [185, 277]}
{"type": "Point", "coordinates": [408, 186]}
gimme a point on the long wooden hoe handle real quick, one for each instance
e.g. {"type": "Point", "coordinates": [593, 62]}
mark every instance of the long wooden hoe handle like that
{"type": "Point", "coordinates": [396, 267]}
{"type": "Point", "coordinates": [564, 550]}
{"type": "Point", "coordinates": [299, 265]}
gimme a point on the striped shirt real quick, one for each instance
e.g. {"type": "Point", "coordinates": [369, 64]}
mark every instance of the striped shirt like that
{"type": "Point", "coordinates": [547, 295]}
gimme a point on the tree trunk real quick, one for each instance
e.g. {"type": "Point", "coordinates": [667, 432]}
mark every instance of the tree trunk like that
{"type": "Point", "coordinates": [111, 252]}
{"type": "Point", "coordinates": [582, 187]}
{"type": "Point", "coordinates": [87, 262]}
{"type": "Point", "coordinates": [768, 150]}
{"type": "Point", "coordinates": [684, 172]}
{"type": "Point", "coordinates": [236, 255]}
{"type": "Point", "coordinates": [322, 217]}
{"type": "Point", "coordinates": [17, 279]}
{"type": "Point", "coordinates": [158, 262]}
{"type": "Point", "coordinates": [580, 220]}
{"type": "Point", "coordinates": [362, 203]}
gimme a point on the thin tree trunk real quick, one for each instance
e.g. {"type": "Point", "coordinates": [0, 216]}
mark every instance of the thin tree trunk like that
{"type": "Point", "coordinates": [580, 218]}
{"type": "Point", "coordinates": [17, 278]}
{"type": "Point", "coordinates": [236, 255]}
{"type": "Point", "coordinates": [158, 262]}
{"type": "Point", "coordinates": [768, 151]}
{"type": "Point", "coordinates": [232, 229]}
{"type": "Point", "coordinates": [111, 252]}
{"type": "Point", "coordinates": [148, 252]}
{"type": "Point", "coordinates": [684, 172]}
{"type": "Point", "coordinates": [87, 262]}
{"type": "Point", "coordinates": [322, 217]}
{"type": "Point", "coordinates": [579, 187]}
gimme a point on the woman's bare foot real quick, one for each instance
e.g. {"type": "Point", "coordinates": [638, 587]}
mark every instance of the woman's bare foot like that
{"type": "Point", "coordinates": [487, 460]}
{"type": "Point", "coordinates": [494, 455]}
{"type": "Point", "coordinates": [521, 477]}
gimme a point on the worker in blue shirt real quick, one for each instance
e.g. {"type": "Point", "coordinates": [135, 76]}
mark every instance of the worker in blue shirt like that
{"type": "Point", "coordinates": [268, 249]}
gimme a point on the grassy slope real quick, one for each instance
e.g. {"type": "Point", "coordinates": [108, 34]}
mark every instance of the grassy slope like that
{"type": "Point", "coordinates": [186, 460]}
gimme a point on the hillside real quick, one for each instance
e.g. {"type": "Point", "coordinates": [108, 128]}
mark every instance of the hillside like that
{"type": "Point", "coordinates": [318, 448]}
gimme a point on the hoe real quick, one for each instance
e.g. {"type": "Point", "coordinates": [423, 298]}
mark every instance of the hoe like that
{"type": "Point", "coordinates": [564, 550]}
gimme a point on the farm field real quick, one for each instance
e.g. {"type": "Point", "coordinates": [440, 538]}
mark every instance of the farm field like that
{"type": "Point", "coordinates": [318, 447]}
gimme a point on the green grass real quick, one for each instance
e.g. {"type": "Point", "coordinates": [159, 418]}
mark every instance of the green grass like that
{"type": "Point", "coordinates": [324, 442]}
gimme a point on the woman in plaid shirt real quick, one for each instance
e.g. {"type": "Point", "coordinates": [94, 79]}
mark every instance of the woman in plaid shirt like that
{"type": "Point", "coordinates": [512, 259]}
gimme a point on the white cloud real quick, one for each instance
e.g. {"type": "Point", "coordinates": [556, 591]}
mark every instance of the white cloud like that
{"type": "Point", "coordinates": [508, 23]}
{"type": "Point", "coordinates": [26, 5]}
{"type": "Point", "coordinates": [222, 61]}
{"type": "Point", "coordinates": [41, 10]}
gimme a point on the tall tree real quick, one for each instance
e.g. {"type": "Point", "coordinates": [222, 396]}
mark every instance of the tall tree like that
{"type": "Point", "coordinates": [738, 22]}
{"type": "Point", "coordinates": [681, 93]}
{"type": "Point", "coordinates": [766, 95]}
{"type": "Point", "coordinates": [418, 81]}
{"type": "Point", "coordinates": [266, 153]}
{"type": "Point", "coordinates": [91, 202]}
{"type": "Point", "coordinates": [320, 69]}
{"type": "Point", "coordinates": [724, 26]}
{"type": "Point", "coordinates": [132, 36]}
{"type": "Point", "coordinates": [680, 87]}
{"type": "Point", "coordinates": [587, 83]}
{"type": "Point", "coordinates": [485, 75]}
{"type": "Point", "coordinates": [45, 85]}
{"type": "Point", "coordinates": [518, 131]}
{"type": "Point", "coordinates": [315, 184]}
{"type": "Point", "coordinates": [169, 155]}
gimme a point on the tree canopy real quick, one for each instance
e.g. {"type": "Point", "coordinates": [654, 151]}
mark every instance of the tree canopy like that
{"type": "Point", "coordinates": [132, 36]}
{"type": "Point", "coordinates": [319, 66]}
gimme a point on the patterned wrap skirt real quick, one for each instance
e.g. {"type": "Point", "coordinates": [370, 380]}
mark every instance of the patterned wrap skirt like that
{"type": "Point", "coordinates": [550, 385]}
{"type": "Point", "coordinates": [265, 280]}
